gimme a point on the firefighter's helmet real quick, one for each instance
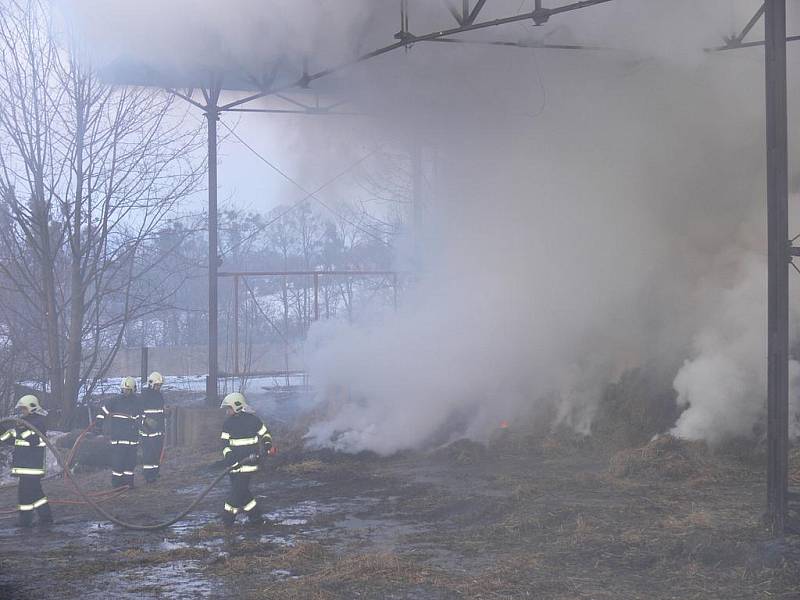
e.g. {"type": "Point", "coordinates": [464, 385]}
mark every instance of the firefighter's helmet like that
{"type": "Point", "coordinates": [235, 401]}
{"type": "Point", "coordinates": [155, 379]}
{"type": "Point", "coordinates": [31, 403]}
{"type": "Point", "coordinates": [128, 385]}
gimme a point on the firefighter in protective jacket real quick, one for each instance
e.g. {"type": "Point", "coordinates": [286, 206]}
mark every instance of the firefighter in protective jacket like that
{"type": "Point", "coordinates": [28, 461]}
{"type": "Point", "coordinates": [151, 433]}
{"type": "Point", "coordinates": [246, 439]}
{"type": "Point", "coordinates": [119, 419]}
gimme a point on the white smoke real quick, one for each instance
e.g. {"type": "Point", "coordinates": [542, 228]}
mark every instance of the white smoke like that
{"type": "Point", "coordinates": [235, 34]}
{"type": "Point", "coordinates": [623, 225]}
{"type": "Point", "coordinates": [591, 211]}
{"type": "Point", "coordinates": [723, 386]}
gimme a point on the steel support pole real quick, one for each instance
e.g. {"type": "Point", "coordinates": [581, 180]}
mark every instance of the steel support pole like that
{"type": "Point", "coordinates": [316, 296]}
{"type": "Point", "coordinates": [778, 267]}
{"type": "Point", "coordinates": [212, 114]}
{"type": "Point", "coordinates": [236, 325]}
{"type": "Point", "coordinates": [143, 370]}
{"type": "Point", "coordinates": [417, 199]}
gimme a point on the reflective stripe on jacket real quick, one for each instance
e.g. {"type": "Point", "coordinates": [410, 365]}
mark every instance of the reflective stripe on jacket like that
{"type": "Point", "coordinates": [119, 418]}
{"type": "Point", "coordinates": [29, 448]}
{"type": "Point", "coordinates": [151, 405]}
{"type": "Point", "coordinates": [243, 434]}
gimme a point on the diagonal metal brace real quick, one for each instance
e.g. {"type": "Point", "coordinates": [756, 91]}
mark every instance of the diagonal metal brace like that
{"type": "Point", "coordinates": [736, 40]}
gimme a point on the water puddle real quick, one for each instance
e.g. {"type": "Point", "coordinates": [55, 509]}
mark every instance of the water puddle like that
{"type": "Point", "coordinates": [177, 580]}
{"type": "Point", "coordinates": [282, 575]}
{"type": "Point", "coordinates": [384, 534]}
{"type": "Point", "coordinates": [277, 540]}
{"type": "Point", "coordinates": [193, 522]}
{"type": "Point", "coordinates": [169, 546]}
{"type": "Point", "coordinates": [302, 511]}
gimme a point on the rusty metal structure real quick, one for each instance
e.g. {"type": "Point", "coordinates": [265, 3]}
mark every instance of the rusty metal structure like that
{"type": "Point", "coordinates": [273, 84]}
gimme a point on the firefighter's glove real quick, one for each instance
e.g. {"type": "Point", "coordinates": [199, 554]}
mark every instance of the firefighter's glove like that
{"type": "Point", "coordinates": [272, 451]}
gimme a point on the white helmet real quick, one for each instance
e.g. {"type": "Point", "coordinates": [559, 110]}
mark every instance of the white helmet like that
{"type": "Point", "coordinates": [31, 402]}
{"type": "Point", "coordinates": [128, 385]}
{"type": "Point", "coordinates": [155, 379]}
{"type": "Point", "coordinates": [235, 401]}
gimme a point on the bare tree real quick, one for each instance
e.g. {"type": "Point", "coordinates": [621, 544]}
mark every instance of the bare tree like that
{"type": "Point", "coordinates": [89, 173]}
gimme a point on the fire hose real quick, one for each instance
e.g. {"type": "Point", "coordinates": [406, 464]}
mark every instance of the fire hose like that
{"type": "Point", "coordinates": [87, 498]}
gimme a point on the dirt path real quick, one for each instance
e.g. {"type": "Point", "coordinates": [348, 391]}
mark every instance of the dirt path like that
{"type": "Point", "coordinates": [457, 525]}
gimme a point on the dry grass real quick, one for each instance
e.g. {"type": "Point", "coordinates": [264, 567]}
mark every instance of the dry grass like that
{"type": "Point", "coordinates": [693, 520]}
{"type": "Point", "coordinates": [794, 466]}
{"type": "Point", "coordinates": [665, 458]}
{"type": "Point", "coordinates": [301, 468]}
{"type": "Point", "coordinates": [354, 576]}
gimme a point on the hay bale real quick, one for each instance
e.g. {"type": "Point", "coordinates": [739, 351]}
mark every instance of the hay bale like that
{"type": "Point", "coordinates": [665, 457]}
{"type": "Point", "coordinates": [637, 407]}
{"type": "Point", "coordinates": [511, 441]}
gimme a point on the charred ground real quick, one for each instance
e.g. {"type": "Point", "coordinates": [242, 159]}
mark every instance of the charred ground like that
{"type": "Point", "coordinates": [553, 516]}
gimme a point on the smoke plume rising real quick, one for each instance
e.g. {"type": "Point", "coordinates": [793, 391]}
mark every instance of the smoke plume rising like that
{"type": "Point", "coordinates": [590, 212]}
{"type": "Point", "coordinates": [618, 223]}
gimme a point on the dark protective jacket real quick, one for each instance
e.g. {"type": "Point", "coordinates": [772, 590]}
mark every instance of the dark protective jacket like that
{"type": "Point", "coordinates": [119, 419]}
{"type": "Point", "coordinates": [151, 403]}
{"type": "Point", "coordinates": [29, 448]}
{"type": "Point", "coordinates": [244, 434]}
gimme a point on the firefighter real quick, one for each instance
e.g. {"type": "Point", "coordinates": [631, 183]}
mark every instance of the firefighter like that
{"type": "Point", "coordinates": [119, 419]}
{"type": "Point", "coordinates": [151, 433]}
{"type": "Point", "coordinates": [246, 439]}
{"type": "Point", "coordinates": [28, 462]}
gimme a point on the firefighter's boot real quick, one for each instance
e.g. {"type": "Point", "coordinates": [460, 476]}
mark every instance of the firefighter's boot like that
{"type": "Point", "coordinates": [25, 518]}
{"type": "Point", "coordinates": [45, 514]}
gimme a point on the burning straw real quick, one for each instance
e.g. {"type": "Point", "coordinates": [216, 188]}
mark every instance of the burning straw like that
{"type": "Point", "coordinates": [664, 457]}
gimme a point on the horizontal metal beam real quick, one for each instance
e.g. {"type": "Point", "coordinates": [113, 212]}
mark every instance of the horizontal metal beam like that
{"type": "Point", "coordinates": [304, 273]}
{"type": "Point", "coordinates": [539, 16]}
{"type": "Point", "coordinates": [285, 111]}
{"type": "Point", "coordinates": [532, 44]}
{"type": "Point", "coordinates": [734, 45]}
{"type": "Point", "coordinates": [276, 374]}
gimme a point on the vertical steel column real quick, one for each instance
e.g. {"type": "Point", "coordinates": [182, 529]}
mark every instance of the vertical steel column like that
{"type": "Point", "coordinates": [212, 114]}
{"type": "Point", "coordinates": [416, 201]}
{"type": "Point", "coordinates": [778, 268]}
{"type": "Point", "coordinates": [236, 325]}
{"type": "Point", "coordinates": [316, 296]}
{"type": "Point", "coordinates": [143, 371]}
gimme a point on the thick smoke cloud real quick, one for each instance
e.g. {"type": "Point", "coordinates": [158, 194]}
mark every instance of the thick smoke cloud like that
{"type": "Point", "coordinates": [246, 34]}
{"type": "Point", "coordinates": [587, 212]}
{"type": "Point", "coordinates": [618, 223]}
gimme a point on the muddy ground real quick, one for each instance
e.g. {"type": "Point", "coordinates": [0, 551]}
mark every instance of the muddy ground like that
{"type": "Point", "coordinates": [531, 520]}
